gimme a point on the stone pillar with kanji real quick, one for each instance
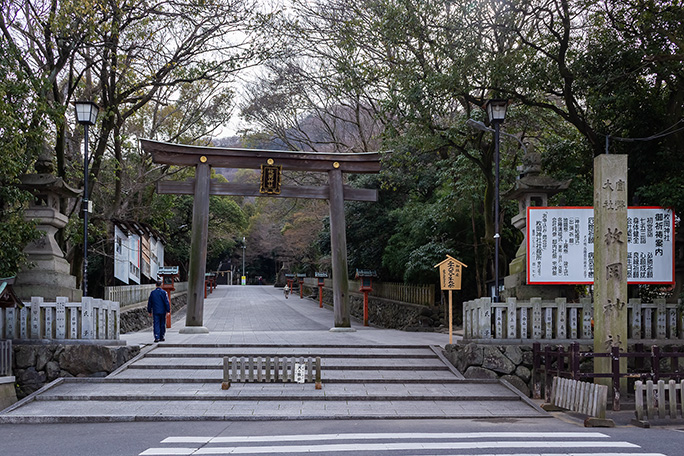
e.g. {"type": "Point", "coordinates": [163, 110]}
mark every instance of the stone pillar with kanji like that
{"type": "Point", "coordinates": [610, 260]}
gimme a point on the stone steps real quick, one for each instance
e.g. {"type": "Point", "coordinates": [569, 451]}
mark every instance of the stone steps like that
{"type": "Point", "coordinates": [359, 382]}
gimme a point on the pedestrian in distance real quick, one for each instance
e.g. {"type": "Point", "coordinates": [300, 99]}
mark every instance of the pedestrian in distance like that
{"type": "Point", "coordinates": [158, 306]}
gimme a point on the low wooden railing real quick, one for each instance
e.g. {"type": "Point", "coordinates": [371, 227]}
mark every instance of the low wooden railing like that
{"type": "Point", "coordinates": [413, 294]}
{"type": "Point", "coordinates": [557, 361]}
{"type": "Point", "coordinates": [559, 320]}
{"type": "Point", "coordinates": [86, 320]}
{"type": "Point", "coordinates": [666, 399]}
{"type": "Point", "coordinates": [581, 397]}
{"type": "Point", "coordinates": [270, 369]}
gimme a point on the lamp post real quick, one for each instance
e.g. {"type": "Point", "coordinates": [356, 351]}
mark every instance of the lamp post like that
{"type": "Point", "coordinates": [496, 112]}
{"type": "Point", "coordinates": [244, 246]}
{"type": "Point", "coordinates": [86, 115]}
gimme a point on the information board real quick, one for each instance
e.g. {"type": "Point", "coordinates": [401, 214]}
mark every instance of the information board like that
{"type": "Point", "coordinates": [560, 245]}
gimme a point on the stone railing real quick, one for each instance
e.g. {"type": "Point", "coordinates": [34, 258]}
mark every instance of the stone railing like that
{"type": "Point", "coordinates": [5, 358]}
{"type": "Point", "coordinates": [559, 320]}
{"type": "Point", "coordinates": [89, 319]}
{"type": "Point", "coordinates": [127, 295]}
{"type": "Point", "coordinates": [412, 294]}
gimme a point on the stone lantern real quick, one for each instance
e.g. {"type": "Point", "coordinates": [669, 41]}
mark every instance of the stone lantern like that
{"type": "Point", "coordinates": [532, 189]}
{"type": "Point", "coordinates": [47, 273]}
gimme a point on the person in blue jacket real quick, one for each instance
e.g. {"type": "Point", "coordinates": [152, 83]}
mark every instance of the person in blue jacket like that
{"type": "Point", "coordinates": [158, 306]}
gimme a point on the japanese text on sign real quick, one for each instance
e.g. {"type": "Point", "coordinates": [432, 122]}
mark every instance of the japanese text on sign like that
{"type": "Point", "coordinates": [560, 245]}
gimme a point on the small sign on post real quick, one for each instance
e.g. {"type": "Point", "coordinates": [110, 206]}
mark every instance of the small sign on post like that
{"type": "Point", "coordinates": [168, 275]}
{"type": "Point", "coordinates": [450, 279]}
{"type": "Point", "coordinates": [366, 278]}
{"type": "Point", "coordinates": [300, 372]}
{"type": "Point", "coordinates": [321, 276]}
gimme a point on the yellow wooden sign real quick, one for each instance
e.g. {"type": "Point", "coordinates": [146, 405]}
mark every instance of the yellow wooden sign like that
{"type": "Point", "coordinates": [450, 279]}
{"type": "Point", "coordinates": [450, 273]}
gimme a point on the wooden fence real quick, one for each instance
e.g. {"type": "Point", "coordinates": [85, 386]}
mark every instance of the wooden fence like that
{"type": "Point", "coordinates": [658, 397]}
{"type": "Point", "coordinates": [5, 358]}
{"type": "Point", "coordinates": [270, 369]}
{"type": "Point", "coordinates": [556, 361]}
{"type": "Point", "coordinates": [559, 320]}
{"type": "Point", "coordinates": [86, 320]}
{"type": "Point", "coordinates": [412, 294]}
{"type": "Point", "coordinates": [581, 397]}
{"type": "Point", "coordinates": [127, 295]}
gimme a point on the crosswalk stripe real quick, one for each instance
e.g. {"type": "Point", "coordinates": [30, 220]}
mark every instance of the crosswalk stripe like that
{"type": "Point", "coordinates": [382, 436]}
{"type": "Point", "coordinates": [404, 446]}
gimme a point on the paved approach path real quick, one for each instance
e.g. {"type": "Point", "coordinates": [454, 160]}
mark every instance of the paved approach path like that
{"type": "Point", "coordinates": [368, 373]}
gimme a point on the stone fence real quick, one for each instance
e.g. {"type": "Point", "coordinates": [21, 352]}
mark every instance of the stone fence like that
{"type": "Point", "coordinates": [90, 319]}
{"type": "Point", "coordinates": [127, 295]}
{"type": "Point", "coordinates": [557, 321]}
{"type": "Point", "coordinates": [413, 294]}
{"type": "Point", "coordinates": [5, 358]}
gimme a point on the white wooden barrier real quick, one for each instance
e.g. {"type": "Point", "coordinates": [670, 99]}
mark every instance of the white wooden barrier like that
{"type": "Point", "coordinates": [270, 369]}
{"type": "Point", "coordinates": [581, 397]}
{"type": "Point", "coordinates": [559, 320]}
{"type": "Point", "coordinates": [86, 320]}
{"type": "Point", "coordinates": [667, 399]}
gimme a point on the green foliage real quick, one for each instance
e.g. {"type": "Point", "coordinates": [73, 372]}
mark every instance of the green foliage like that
{"type": "Point", "coordinates": [20, 139]}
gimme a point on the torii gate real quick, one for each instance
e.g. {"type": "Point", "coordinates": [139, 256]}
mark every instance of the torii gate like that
{"type": "Point", "coordinates": [203, 158]}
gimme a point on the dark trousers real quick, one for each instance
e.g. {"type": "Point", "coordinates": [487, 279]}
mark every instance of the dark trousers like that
{"type": "Point", "coordinates": [159, 325]}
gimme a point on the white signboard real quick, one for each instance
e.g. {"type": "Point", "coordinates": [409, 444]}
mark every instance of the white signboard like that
{"type": "Point", "coordinates": [560, 245]}
{"type": "Point", "coordinates": [169, 270]}
{"type": "Point", "coordinates": [134, 258]}
{"type": "Point", "coordinates": [299, 373]}
{"type": "Point", "coordinates": [121, 255]}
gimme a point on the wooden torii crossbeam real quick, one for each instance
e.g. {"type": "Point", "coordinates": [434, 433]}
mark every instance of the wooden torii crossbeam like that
{"type": "Point", "coordinates": [203, 158]}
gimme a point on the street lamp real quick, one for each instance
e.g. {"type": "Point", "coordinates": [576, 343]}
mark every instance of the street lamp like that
{"type": "Point", "coordinates": [86, 115]}
{"type": "Point", "coordinates": [244, 246]}
{"type": "Point", "coordinates": [496, 112]}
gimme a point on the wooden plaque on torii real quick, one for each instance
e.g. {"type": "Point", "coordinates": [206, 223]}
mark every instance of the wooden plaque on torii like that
{"type": "Point", "coordinates": [203, 158]}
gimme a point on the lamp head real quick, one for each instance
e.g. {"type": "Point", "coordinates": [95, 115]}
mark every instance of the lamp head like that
{"type": "Point", "coordinates": [496, 110]}
{"type": "Point", "coordinates": [86, 112]}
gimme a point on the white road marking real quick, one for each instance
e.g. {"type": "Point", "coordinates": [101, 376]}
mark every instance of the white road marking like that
{"type": "Point", "coordinates": [404, 446]}
{"type": "Point", "coordinates": [383, 436]}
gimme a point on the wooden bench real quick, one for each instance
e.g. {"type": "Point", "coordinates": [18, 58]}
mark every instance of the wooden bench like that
{"type": "Point", "coordinates": [662, 398]}
{"type": "Point", "coordinates": [581, 397]}
{"type": "Point", "coordinates": [270, 369]}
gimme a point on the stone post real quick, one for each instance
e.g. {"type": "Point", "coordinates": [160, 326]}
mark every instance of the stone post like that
{"type": "Point", "coordinates": [610, 260]}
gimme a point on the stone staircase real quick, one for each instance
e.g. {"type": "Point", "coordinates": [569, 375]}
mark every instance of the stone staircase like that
{"type": "Point", "coordinates": [183, 382]}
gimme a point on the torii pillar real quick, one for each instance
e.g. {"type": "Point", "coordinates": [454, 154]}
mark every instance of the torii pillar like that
{"type": "Point", "coordinates": [203, 158]}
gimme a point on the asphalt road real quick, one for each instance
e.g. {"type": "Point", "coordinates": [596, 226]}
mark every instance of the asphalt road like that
{"type": "Point", "coordinates": [502, 437]}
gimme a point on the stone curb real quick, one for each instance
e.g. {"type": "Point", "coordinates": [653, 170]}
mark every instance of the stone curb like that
{"type": "Point", "coordinates": [245, 398]}
{"type": "Point", "coordinates": [438, 351]}
{"type": "Point", "coordinates": [283, 417]}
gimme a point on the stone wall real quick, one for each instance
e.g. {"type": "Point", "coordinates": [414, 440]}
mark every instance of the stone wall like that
{"type": "Point", "coordinates": [512, 363]}
{"type": "Point", "coordinates": [34, 365]}
{"type": "Point", "coordinates": [386, 313]}
{"type": "Point", "coordinates": [135, 318]}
